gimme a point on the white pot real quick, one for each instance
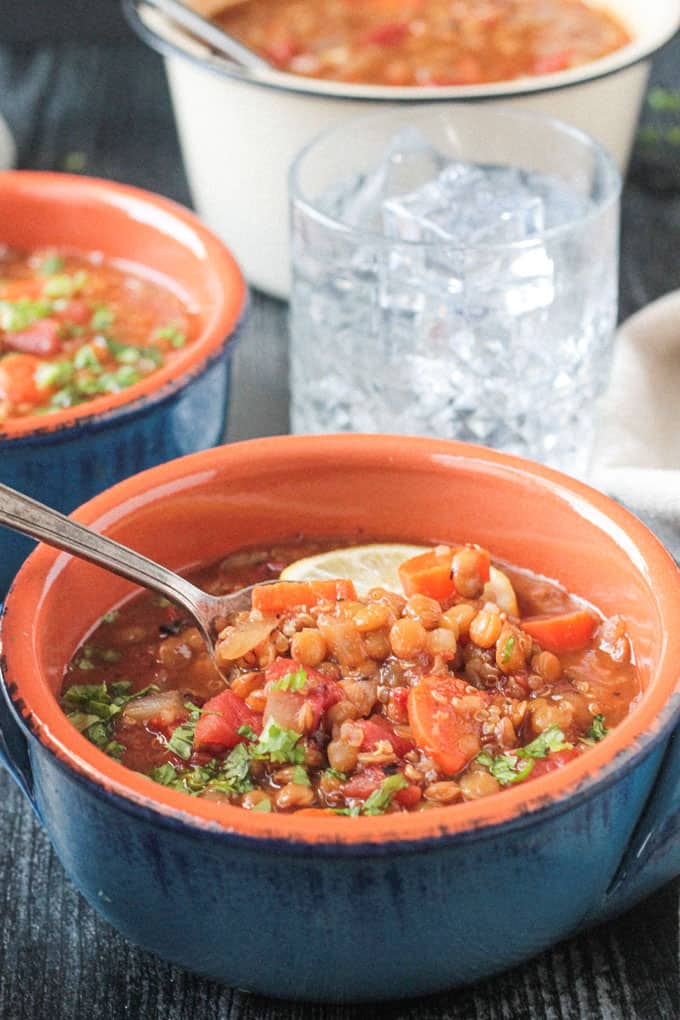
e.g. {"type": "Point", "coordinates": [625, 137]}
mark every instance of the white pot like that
{"type": "Point", "coordinates": [240, 133]}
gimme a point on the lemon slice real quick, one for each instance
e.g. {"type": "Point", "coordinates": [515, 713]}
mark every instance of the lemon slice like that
{"type": "Point", "coordinates": [369, 566]}
{"type": "Point", "coordinates": [377, 566]}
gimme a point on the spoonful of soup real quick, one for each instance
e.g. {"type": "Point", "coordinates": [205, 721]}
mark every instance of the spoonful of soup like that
{"type": "Point", "coordinates": [217, 617]}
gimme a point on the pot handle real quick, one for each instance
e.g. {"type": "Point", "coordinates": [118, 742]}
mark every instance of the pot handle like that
{"type": "Point", "coordinates": [14, 749]}
{"type": "Point", "coordinates": [653, 855]}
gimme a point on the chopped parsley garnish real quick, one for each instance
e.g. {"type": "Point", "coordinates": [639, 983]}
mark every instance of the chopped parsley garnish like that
{"type": "Point", "coordinates": [508, 649]}
{"type": "Point", "coordinates": [342, 776]}
{"type": "Point", "coordinates": [18, 315]}
{"type": "Point", "coordinates": [65, 285]}
{"type": "Point", "coordinates": [92, 708]}
{"type": "Point", "coordinates": [598, 731]}
{"type": "Point", "coordinates": [379, 801]}
{"type": "Point", "coordinates": [551, 739]}
{"type": "Point", "coordinates": [291, 681]}
{"type": "Point", "coordinates": [110, 617]}
{"type": "Point", "coordinates": [279, 745]}
{"type": "Point", "coordinates": [86, 358]}
{"type": "Point", "coordinates": [173, 333]}
{"type": "Point", "coordinates": [51, 264]}
{"type": "Point", "coordinates": [102, 318]}
{"type": "Point", "coordinates": [506, 768]}
{"type": "Point", "coordinates": [300, 776]}
{"type": "Point", "coordinates": [181, 740]}
{"type": "Point", "coordinates": [54, 373]}
{"type": "Point", "coordinates": [514, 766]}
{"type": "Point", "coordinates": [231, 776]}
{"type": "Point", "coordinates": [262, 805]}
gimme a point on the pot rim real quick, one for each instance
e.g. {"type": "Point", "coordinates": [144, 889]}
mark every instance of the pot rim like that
{"type": "Point", "coordinates": [626, 746]}
{"type": "Point", "coordinates": [221, 322]}
{"type": "Point", "coordinates": [641, 48]}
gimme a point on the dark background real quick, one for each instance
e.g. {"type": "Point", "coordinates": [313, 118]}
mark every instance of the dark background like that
{"type": "Point", "coordinates": [81, 94]}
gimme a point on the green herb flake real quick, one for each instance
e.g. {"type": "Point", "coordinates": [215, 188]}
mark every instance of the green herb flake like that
{"type": "Point", "coordinates": [598, 731]}
{"type": "Point", "coordinates": [86, 358]}
{"type": "Point", "coordinates": [235, 772]}
{"type": "Point", "coordinates": [54, 373]}
{"type": "Point", "coordinates": [551, 739]}
{"type": "Point", "coordinates": [508, 649]}
{"type": "Point", "coordinates": [334, 774]}
{"type": "Point", "coordinates": [50, 264]}
{"type": "Point", "coordinates": [64, 285]}
{"type": "Point", "coordinates": [300, 776]}
{"type": "Point", "coordinates": [102, 318]}
{"type": "Point", "coordinates": [110, 617]}
{"type": "Point", "coordinates": [380, 799]}
{"type": "Point", "coordinates": [279, 745]}
{"type": "Point", "coordinates": [164, 774]}
{"type": "Point", "coordinates": [291, 681]}
{"type": "Point", "coordinates": [262, 805]}
{"type": "Point", "coordinates": [506, 768]}
{"type": "Point", "coordinates": [248, 732]}
{"type": "Point", "coordinates": [173, 333]}
{"type": "Point", "coordinates": [18, 315]}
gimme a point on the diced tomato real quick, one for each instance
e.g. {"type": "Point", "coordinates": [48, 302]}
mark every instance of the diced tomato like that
{"type": "Point", "coordinates": [409, 796]}
{"type": "Point", "coordinates": [379, 728]}
{"type": "Point", "coordinates": [429, 574]}
{"type": "Point", "coordinates": [40, 338]}
{"type": "Point", "coordinates": [555, 760]}
{"type": "Point", "coordinates": [287, 708]}
{"type": "Point", "coordinates": [566, 632]}
{"type": "Point", "coordinates": [278, 598]}
{"type": "Point", "coordinates": [388, 34]}
{"type": "Point", "coordinates": [551, 62]}
{"type": "Point", "coordinates": [77, 312]}
{"type": "Point", "coordinates": [399, 704]}
{"type": "Point", "coordinates": [221, 719]}
{"type": "Point", "coordinates": [442, 713]}
{"type": "Point", "coordinates": [17, 379]}
{"type": "Point", "coordinates": [364, 783]}
{"type": "Point", "coordinates": [281, 51]}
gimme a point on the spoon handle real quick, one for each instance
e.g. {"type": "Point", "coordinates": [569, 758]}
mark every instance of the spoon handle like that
{"type": "Point", "coordinates": [212, 35]}
{"type": "Point", "coordinates": [21, 513]}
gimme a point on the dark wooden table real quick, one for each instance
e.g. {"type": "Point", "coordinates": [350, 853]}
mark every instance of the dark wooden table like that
{"type": "Point", "coordinates": [104, 109]}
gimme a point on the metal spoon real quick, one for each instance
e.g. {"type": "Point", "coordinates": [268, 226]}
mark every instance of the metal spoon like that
{"type": "Point", "coordinates": [21, 513]}
{"type": "Point", "coordinates": [210, 34]}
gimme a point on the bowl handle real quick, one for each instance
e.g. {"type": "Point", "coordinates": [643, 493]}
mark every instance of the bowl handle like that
{"type": "Point", "coordinates": [14, 749]}
{"type": "Point", "coordinates": [653, 855]}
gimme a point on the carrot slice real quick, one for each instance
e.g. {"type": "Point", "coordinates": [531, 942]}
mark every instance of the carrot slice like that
{"type": "Point", "coordinates": [442, 714]}
{"type": "Point", "coordinates": [277, 598]}
{"type": "Point", "coordinates": [429, 574]}
{"type": "Point", "coordinates": [566, 632]}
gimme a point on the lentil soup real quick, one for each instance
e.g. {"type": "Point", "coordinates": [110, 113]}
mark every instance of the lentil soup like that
{"type": "Point", "coordinates": [425, 42]}
{"type": "Point", "coordinates": [474, 677]}
{"type": "Point", "coordinates": [76, 327]}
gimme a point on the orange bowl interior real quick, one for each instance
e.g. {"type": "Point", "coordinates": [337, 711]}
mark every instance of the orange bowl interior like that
{"type": "Point", "coordinates": [153, 235]}
{"type": "Point", "coordinates": [194, 510]}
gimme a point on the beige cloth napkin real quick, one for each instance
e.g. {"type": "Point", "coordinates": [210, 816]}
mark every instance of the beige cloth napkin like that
{"type": "Point", "coordinates": [636, 456]}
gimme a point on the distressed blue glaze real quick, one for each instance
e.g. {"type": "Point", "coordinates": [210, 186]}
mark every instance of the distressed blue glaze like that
{"type": "Point", "coordinates": [68, 466]}
{"type": "Point", "coordinates": [371, 922]}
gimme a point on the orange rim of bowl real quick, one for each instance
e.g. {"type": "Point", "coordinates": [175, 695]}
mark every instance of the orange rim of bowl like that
{"type": "Point", "coordinates": [217, 328]}
{"type": "Point", "coordinates": [634, 736]}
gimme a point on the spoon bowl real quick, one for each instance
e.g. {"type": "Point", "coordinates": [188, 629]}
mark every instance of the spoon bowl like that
{"type": "Point", "coordinates": [28, 516]}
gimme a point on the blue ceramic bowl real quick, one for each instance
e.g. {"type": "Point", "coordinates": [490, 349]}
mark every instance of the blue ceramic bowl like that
{"type": "Point", "coordinates": [67, 457]}
{"type": "Point", "coordinates": [338, 909]}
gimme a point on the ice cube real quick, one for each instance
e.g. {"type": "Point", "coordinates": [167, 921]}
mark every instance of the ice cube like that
{"type": "Point", "coordinates": [409, 163]}
{"type": "Point", "coordinates": [467, 205]}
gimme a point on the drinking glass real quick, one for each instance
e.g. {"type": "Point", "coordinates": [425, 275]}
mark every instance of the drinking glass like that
{"type": "Point", "coordinates": [454, 275]}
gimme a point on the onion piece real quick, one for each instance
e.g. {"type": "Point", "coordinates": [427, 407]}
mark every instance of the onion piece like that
{"type": "Point", "coordinates": [162, 706]}
{"type": "Point", "coordinates": [499, 589]}
{"type": "Point", "coordinates": [235, 641]}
